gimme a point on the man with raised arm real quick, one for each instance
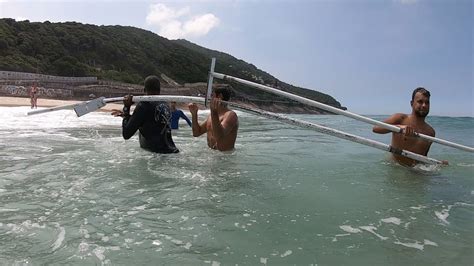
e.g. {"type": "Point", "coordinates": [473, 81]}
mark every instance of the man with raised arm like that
{"type": "Point", "coordinates": [411, 124]}
{"type": "Point", "coordinates": [221, 125]}
{"type": "Point", "coordinates": [151, 119]}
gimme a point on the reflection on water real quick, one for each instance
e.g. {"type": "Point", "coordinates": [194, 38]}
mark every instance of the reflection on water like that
{"type": "Point", "coordinates": [74, 192]}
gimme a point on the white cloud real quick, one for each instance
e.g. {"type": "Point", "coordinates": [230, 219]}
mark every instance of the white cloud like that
{"type": "Point", "coordinates": [178, 23]}
{"type": "Point", "coordinates": [172, 30]}
{"type": "Point", "coordinates": [159, 13]}
{"type": "Point", "coordinates": [201, 25]}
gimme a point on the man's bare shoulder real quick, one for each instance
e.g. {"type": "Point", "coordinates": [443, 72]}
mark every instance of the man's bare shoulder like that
{"type": "Point", "coordinates": [428, 130]}
{"type": "Point", "coordinates": [398, 118]}
{"type": "Point", "coordinates": [230, 118]}
{"type": "Point", "coordinates": [231, 114]}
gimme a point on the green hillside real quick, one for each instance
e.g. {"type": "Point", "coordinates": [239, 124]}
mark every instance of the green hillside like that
{"type": "Point", "coordinates": [124, 54]}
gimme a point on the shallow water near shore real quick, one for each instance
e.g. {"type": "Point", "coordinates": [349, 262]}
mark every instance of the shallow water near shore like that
{"type": "Point", "coordinates": [72, 191]}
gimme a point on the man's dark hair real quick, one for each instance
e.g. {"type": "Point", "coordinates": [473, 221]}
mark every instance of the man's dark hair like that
{"type": "Point", "coordinates": [152, 84]}
{"type": "Point", "coordinates": [421, 90]}
{"type": "Point", "coordinates": [225, 92]}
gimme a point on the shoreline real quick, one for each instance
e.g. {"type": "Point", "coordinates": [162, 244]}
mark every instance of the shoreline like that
{"type": "Point", "coordinates": [7, 101]}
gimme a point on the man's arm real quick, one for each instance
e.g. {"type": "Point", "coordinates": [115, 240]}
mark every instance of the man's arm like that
{"type": "Point", "coordinates": [198, 129]}
{"type": "Point", "coordinates": [183, 116]}
{"type": "Point", "coordinates": [395, 119]}
{"type": "Point", "coordinates": [131, 123]}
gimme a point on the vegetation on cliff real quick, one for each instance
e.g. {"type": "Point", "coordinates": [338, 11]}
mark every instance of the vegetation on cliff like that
{"type": "Point", "coordinates": [124, 54]}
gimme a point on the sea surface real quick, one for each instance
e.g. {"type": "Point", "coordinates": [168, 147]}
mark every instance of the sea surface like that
{"type": "Point", "coordinates": [73, 192]}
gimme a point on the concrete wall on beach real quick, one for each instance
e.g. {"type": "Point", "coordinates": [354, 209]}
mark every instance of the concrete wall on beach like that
{"type": "Point", "coordinates": [24, 91]}
{"type": "Point", "coordinates": [18, 84]}
{"type": "Point", "coordinates": [11, 75]}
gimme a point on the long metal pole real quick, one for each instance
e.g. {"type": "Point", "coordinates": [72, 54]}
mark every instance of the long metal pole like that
{"type": "Point", "coordinates": [104, 101]}
{"type": "Point", "coordinates": [338, 111]}
{"type": "Point", "coordinates": [281, 118]}
{"type": "Point", "coordinates": [338, 133]}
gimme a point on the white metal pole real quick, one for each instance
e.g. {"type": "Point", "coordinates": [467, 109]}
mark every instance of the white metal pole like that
{"type": "Point", "coordinates": [135, 99]}
{"type": "Point", "coordinates": [281, 118]}
{"type": "Point", "coordinates": [337, 111]}
{"type": "Point", "coordinates": [339, 134]}
{"type": "Point", "coordinates": [210, 79]}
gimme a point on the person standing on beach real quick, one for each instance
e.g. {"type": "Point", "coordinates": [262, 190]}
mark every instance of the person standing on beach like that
{"type": "Point", "coordinates": [176, 114]}
{"type": "Point", "coordinates": [34, 96]}
{"type": "Point", "coordinates": [221, 125]}
{"type": "Point", "coordinates": [151, 119]}
{"type": "Point", "coordinates": [411, 124]}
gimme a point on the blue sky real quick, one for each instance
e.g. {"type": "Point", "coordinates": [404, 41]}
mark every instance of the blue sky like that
{"type": "Point", "coordinates": [368, 54]}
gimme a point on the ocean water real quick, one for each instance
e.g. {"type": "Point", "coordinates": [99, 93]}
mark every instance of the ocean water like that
{"type": "Point", "coordinates": [72, 191]}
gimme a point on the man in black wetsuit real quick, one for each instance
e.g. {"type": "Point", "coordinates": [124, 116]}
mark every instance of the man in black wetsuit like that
{"type": "Point", "coordinates": [151, 119]}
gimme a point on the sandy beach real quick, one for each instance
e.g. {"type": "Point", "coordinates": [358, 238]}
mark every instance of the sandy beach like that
{"type": "Point", "coordinates": [23, 101]}
{"type": "Point", "coordinates": [45, 103]}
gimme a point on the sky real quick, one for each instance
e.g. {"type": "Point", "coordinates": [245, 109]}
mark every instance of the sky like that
{"type": "Point", "coordinates": [368, 54]}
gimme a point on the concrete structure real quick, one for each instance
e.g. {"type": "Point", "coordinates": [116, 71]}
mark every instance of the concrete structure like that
{"type": "Point", "coordinates": [11, 75]}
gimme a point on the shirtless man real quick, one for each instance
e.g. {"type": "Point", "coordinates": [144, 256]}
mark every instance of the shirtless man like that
{"type": "Point", "coordinates": [414, 122]}
{"type": "Point", "coordinates": [221, 125]}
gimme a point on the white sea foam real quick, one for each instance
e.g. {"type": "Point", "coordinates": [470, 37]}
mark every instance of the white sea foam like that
{"type": "Point", "coordinates": [406, 225]}
{"type": "Point", "coordinates": [416, 245]}
{"type": "Point", "coordinates": [83, 247]}
{"type": "Point", "coordinates": [349, 229]}
{"type": "Point", "coordinates": [137, 224]}
{"type": "Point", "coordinates": [287, 253]}
{"type": "Point", "coordinates": [334, 239]}
{"type": "Point", "coordinates": [430, 243]}
{"type": "Point", "coordinates": [177, 242]}
{"type": "Point", "coordinates": [372, 229]}
{"type": "Point", "coordinates": [99, 252]}
{"type": "Point", "coordinates": [8, 210]}
{"type": "Point", "coordinates": [140, 208]}
{"type": "Point", "coordinates": [466, 164]}
{"type": "Point", "coordinates": [443, 214]}
{"type": "Point", "coordinates": [392, 220]}
{"type": "Point", "coordinates": [16, 118]}
{"type": "Point", "coordinates": [60, 239]}
{"type": "Point", "coordinates": [419, 207]}
{"type": "Point", "coordinates": [427, 168]}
